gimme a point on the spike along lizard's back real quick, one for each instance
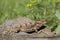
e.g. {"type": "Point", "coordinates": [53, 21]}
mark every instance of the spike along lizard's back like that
{"type": "Point", "coordinates": [22, 24]}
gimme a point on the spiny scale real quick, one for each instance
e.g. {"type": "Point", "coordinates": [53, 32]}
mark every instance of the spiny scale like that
{"type": "Point", "coordinates": [21, 24]}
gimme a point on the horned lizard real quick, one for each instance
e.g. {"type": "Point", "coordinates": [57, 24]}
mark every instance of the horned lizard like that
{"type": "Point", "coordinates": [22, 24]}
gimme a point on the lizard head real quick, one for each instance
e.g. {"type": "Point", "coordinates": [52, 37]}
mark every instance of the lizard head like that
{"type": "Point", "coordinates": [41, 22]}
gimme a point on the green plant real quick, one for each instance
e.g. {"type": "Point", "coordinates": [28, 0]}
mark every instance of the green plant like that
{"type": "Point", "coordinates": [33, 9]}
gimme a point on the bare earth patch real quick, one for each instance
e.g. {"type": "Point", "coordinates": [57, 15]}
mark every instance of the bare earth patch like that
{"type": "Point", "coordinates": [42, 33]}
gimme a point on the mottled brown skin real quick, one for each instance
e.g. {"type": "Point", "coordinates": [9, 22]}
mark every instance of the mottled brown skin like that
{"type": "Point", "coordinates": [22, 24]}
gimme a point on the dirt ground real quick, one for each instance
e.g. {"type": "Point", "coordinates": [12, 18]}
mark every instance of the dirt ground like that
{"type": "Point", "coordinates": [25, 36]}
